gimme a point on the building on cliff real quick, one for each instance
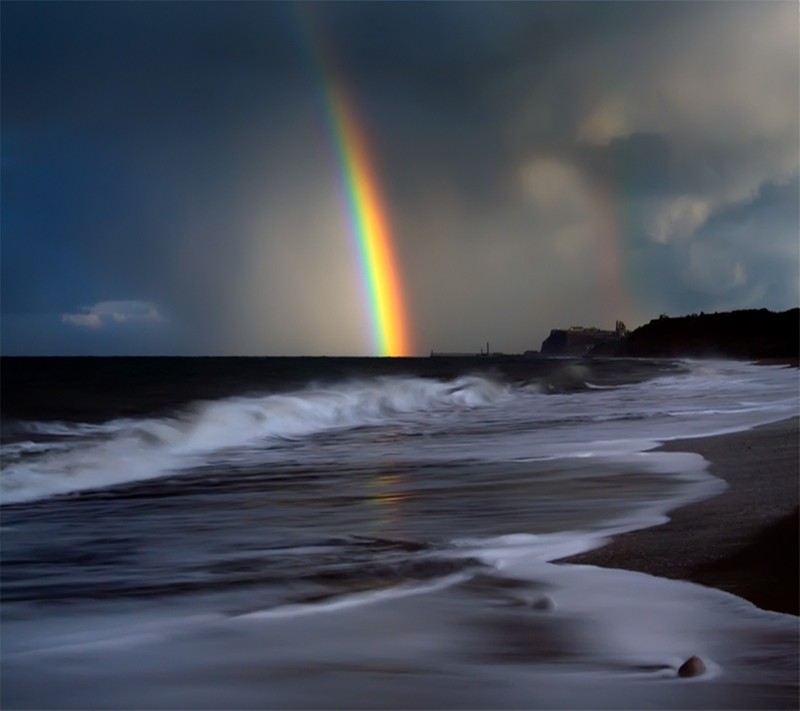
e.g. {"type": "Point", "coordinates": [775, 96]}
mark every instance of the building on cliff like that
{"type": "Point", "coordinates": [580, 340]}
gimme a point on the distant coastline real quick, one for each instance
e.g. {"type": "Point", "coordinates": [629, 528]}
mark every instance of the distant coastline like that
{"type": "Point", "coordinates": [746, 335]}
{"type": "Point", "coordinates": [751, 335]}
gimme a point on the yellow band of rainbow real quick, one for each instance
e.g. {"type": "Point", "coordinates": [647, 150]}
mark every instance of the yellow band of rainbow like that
{"type": "Point", "coordinates": [370, 227]}
{"type": "Point", "coordinates": [368, 219]}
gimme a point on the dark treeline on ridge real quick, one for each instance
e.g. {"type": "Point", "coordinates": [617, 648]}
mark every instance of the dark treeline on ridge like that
{"type": "Point", "coordinates": [751, 334]}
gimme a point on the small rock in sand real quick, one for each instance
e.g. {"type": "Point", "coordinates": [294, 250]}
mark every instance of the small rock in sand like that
{"type": "Point", "coordinates": [544, 603]}
{"type": "Point", "coordinates": [693, 666]}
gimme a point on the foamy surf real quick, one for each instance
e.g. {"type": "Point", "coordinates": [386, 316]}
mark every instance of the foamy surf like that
{"type": "Point", "coordinates": [529, 424]}
{"type": "Point", "coordinates": [378, 541]}
{"type": "Point", "coordinates": [610, 639]}
{"type": "Point", "coordinates": [86, 456]}
{"type": "Point", "coordinates": [355, 600]}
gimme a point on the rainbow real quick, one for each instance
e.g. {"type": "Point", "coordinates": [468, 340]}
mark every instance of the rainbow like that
{"type": "Point", "coordinates": [608, 202]}
{"type": "Point", "coordinates": [367, 216]}
{"type": "Point", "coordinates": [369, 223]}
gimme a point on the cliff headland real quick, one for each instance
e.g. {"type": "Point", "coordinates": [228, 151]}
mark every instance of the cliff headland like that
{"type": "Point", "coordinates": [749, 334]}
{"type": "Point", "coordinates": [580, 340]}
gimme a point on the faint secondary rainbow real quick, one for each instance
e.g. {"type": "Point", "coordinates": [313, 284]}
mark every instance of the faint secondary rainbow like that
{"type": "Point", "coordinates": [367, 215]}
{"type": "Point", "coordinates": [609, 200]}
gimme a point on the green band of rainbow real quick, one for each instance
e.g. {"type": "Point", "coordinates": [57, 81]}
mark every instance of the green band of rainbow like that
{"type": "Point", "coordinates": [367, 215]}
{"type": "Point", "coordinates": [370, 226]}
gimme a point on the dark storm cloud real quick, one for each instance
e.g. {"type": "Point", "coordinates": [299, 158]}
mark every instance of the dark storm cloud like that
{"type": "Point", "coordinates": [178, 154]}
{"type": "Point", "coordinates": [119, 128]}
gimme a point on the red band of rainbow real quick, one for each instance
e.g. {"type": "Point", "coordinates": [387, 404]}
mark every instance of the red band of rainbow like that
{"type": "Point", "coordinates": [368, 219]}
{"type": "Point", "coordinates": [370, 227]}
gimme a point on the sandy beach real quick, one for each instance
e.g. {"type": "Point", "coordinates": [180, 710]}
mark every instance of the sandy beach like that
{"type": "Point", "coordinates": [378, 538]}
{"type": "Point", "coordinates": [745, 540]}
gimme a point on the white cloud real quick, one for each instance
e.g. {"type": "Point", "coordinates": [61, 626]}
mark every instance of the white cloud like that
{"type": "Point", "coordinates": [88, 320]}
{"type": "Point", "coordinates": [717, 74]}
{"type": "Point", "coordinates": [606, 121]}
{"type": "Point", "coordinates": [680, 217]}
{"type": "Point", "coordinates": [720, 82]}
{"type": "Point", "coordinates": [107, 312]}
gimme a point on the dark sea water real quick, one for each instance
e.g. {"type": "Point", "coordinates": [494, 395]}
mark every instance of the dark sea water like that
{"type": "Point", "coordinates": [367, 533]}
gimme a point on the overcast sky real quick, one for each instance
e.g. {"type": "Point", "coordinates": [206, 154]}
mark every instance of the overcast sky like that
{"type": "Point", "coordinates": [169, 186]}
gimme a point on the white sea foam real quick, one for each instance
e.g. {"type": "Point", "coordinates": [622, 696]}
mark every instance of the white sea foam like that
{"type": "Point", "coordinates": [611, 639]}
{"type": "Point", "coordinates": [356, 600]}
{"type": "Point", "coordinates": [465, 418]}
{"type": "Point", "coordinates": [127, 450]}
{"type": "Point", "coordinates": [503, 551]}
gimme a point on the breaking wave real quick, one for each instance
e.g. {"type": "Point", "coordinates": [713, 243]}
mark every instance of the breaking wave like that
{"type": "Point", "coordinates": [81, 456]}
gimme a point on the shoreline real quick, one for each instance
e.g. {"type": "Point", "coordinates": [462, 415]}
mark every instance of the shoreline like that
{"type": "Point", "coordinates": [744, 540]}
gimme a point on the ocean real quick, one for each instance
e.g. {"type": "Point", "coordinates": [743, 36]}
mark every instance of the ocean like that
{"type": "Point", "coordinates": [231, 533]}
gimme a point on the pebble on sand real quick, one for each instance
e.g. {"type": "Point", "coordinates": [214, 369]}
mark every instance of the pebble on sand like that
{"type": "Point", "coordinates": [544, 603]}
{"type": "Point", "coordinates": [693, 666]}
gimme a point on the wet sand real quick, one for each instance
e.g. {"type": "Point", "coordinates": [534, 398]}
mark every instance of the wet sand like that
{"type": "Point", "coordinates": [745, 540]}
